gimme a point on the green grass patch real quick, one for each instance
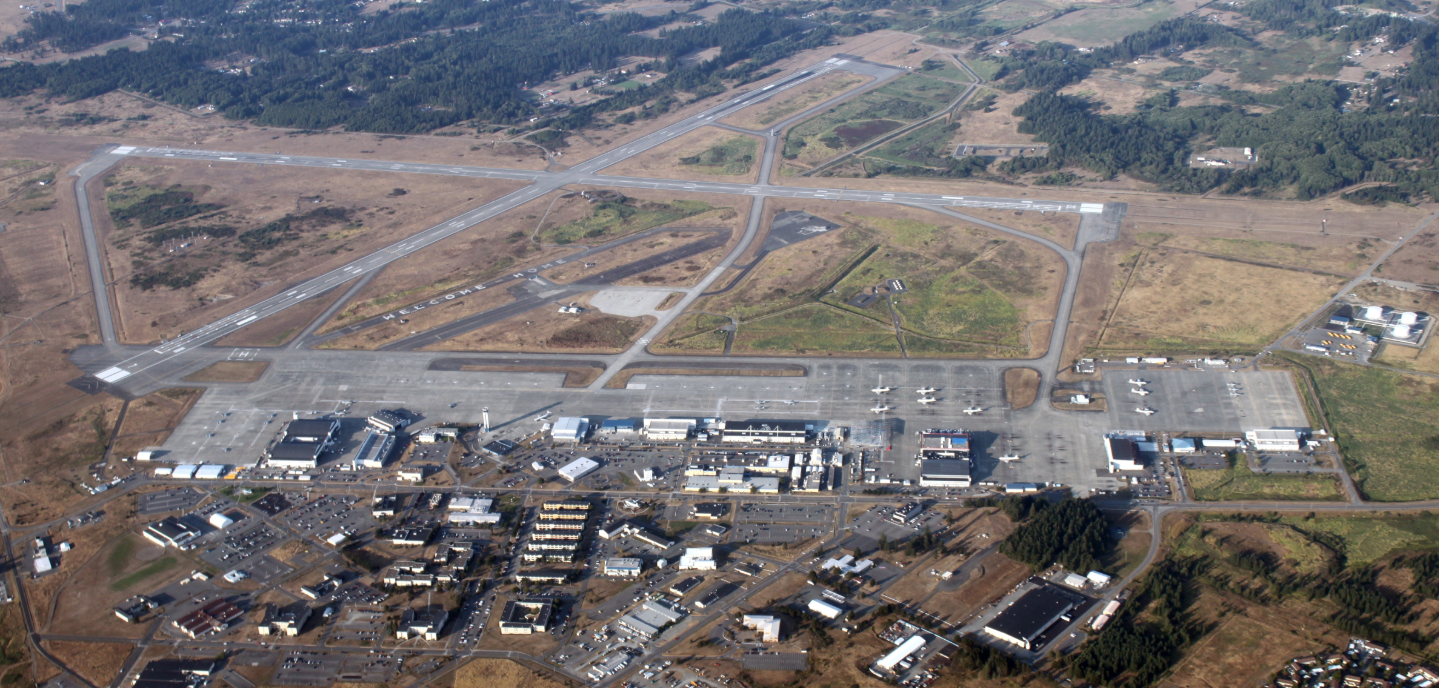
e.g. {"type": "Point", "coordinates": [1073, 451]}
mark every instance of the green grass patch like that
{"type": "Point", "coordinates": [943, 68]}
{"type": "Point", "coordinates": [1238, 483]}
{"type": "Point", "coordinates": [927, 146]}
{"type": "Point", "coordinates": [986, 69]}
{"type": "Point", "coordinates": [1281, 56]}
{"type": "Point", "coordinates": [245, 495]}
{"type": "Point", "coordinates": [152, 206]}
{"type": "Point", "coordinates": [150, 570]}
{"type": "Point", "coordinates": [1103, 26]}
{"type": "Point", "coordinates": [614, 219]}
{"type": "Point", "coordinates": [1184, 73]}
{"type": "Point", "coordinates": [906, 99]}
{"type": "Point", "coordinates": [815, 328]}
{"type": "Point", "coordinates": [734, 155]}
{"type": "Point", "coordinates": [1366, 539]}
{"type": "Point", "coordinates": [1386, 424]}
{"type": "Point", "coordinates": [119, 557]}
{"type": "Point", "coordinates": [696, 332]}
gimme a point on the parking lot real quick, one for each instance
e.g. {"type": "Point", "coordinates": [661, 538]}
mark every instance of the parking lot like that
{"type": "Point", "coordinates": [360, 623]}
{"type": "Point", "coordinates": [330, 514]}
{"type": "Point", "coordinates": [867, 528]}
{"type": "Point", "coordinates": [275, 502]}
{"type": "Point", "coordinates": [242, 543]}
{"type": "Point", "coordinates": [173, 499]}
{"type": "Point", "coordinates": [783, 513]}
{"type": "Point", "coordinates": [325, 668]}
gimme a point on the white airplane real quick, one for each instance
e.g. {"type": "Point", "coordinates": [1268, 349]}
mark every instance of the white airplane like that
{"type": "Point", "coordinates": [541, 418]}
{"type": "Point", "coordinates": [925, 401]}
{"type": "Point", "coordinates": [973, 410]}
{"type": "Point", "coordinates": [882, 408]}
{"type": "Point", "coordinates": [926, 390]}
{"type": "Point", "coordinates": [1146, 411]}
{"type": "Point", "coordinates": [1140, 391]}
{"type": "Point", "coordinates": [1141, 382]}
{"type": "Point", "coordinates": [1009, 457]}
{"type": "Point", "coordinates": [881, 390]}
{"type": "Point", "coordinates": [791, 402]}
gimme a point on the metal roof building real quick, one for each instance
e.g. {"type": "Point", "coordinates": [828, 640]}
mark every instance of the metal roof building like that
{"type": "Point", "coordinates": [944, 473]}
{"type": "Point", "coordinates": [1027, 617]}
{"type": "Point", "coordinates": [578, 468]}
{"type": "Point", "coordinates": [570, 429]}
{"type": "Point", "coordinates": [910, 646]}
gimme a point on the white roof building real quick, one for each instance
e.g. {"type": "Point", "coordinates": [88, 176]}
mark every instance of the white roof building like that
{"type": "Point", "coordinates": [825, 609]}
{"type": "Point", "coordinates": [627, 567]}
{"type": "Point", "coordinates": [209, 471]}
{"type": "Point", "coordinates": [578, 468]}
{"type": "Point", "coordinates": [768, 626]}
{"type": "Point", "coordinates": [472, 510]}
{"type": "Point", "coordinates": [184, 471]}
{"type": "Point", "coordinates": [1098, 578]}
{"type": "Point", "coordinates": [570, 429]}
{"type": "Point", "coordinates": [1076, 581]}
{"type": "Point", "coordinates": [698, 559]}
{"type": "Point", "coordinates": [220, 520]}
{"type": "Point", "coordinates": [1274, 439]}
{"type": "Point", "coordinates": [899, 654]}
{"type": "Point", "coordinates": [669, 429]}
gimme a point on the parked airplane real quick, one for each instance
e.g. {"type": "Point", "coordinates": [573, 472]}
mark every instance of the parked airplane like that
{"type": "Point", "coordinates": [541, 418]}
{"type": "Point", "coordinates": [925, 401]}
{"type": "Point", "coordinates": [926, 390]}
{"type": "Point", "coordinates": [791, 402]}
{"type": "Point", "coordinates": [1009, 457]}
{"type": "Point", "coordinates": [882, 408]}
{"type": "Point", "coordinates": [881, 389]}
{"type": "Point", "coordinates": [1140, 391]}
{"type": "Point", "coordinates": [1141, 382]}
{"type": "Point", "coordinates": [973, 410]}
{"type": "Point", "coordinates": [1146, 411]}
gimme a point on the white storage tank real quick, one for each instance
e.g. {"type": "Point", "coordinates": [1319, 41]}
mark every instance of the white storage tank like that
{"type": "Point", "coordinates": [1401, 331]}
{"type": "Point", "coordinates": [1408, 318]}
{"type": "Point", "coordinates": [1374, 313]}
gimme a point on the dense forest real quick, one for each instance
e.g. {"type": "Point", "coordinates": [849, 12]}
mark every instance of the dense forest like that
{"type": "Point", "coordinates": [1072, 533]}
{"type": "Point", "coordinates": [1142, 652]}
{"type": "Point", "coordinates": [324, 64]}
{"type": "Point", "coordinates": [1311, 138]}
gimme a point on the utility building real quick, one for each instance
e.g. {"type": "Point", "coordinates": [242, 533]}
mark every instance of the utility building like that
{"type": "Point", "coordinates": [1027, 618]}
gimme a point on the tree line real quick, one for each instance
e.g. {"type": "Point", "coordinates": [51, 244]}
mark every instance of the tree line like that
{"type": "Point", "coordinates": [1073, 533]}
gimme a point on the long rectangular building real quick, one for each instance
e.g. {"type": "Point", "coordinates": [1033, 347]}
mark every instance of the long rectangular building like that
{"type": "Point", "coordinates": [1028, 617]}
{"type": "Point", "coordinates": [766, 431]}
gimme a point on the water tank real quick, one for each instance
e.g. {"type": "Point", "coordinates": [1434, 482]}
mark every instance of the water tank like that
{"type": "Point", "coordinates": [1408, 318]}
{"type": "Point", "coordinates": [1400, 331]}
{"type": "Point", "coordinates": [1374, 313]}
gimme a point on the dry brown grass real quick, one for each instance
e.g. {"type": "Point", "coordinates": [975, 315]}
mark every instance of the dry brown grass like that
{"type": "Point", "coordinates": [1061, 228]}
{"type": "Point", "coordinates": [1111, 96]}
{"type": "Point", "coordinates": [788, 584]}
{"type": "Point", "coordinates": [997, 125]}
{"type": "Point", "coordinates": [150, 419]}
{"type": "Point", "coordinates": [1249, 644]}
{"type": "Point", "coordinates": [795, 100]}
{"type": "Point", "coordinates": [991, 580]}
{"type": "Point", "coordinates": [55, 458]}
{"type": "Point", "coordinates": [95, 662]}
{"type": "Point", "coordinates": [501, 673]}
{"type": "Point", "coordinates": [253, 196]}
{"type": "Point", "coordinates": [663, 161]}
{"type": "Point", "coordinates": [229, 371]}
{"type": "Point", "coordinates": [1174, 300]}
{"type": "Point", "coordinates": [1021, 387]}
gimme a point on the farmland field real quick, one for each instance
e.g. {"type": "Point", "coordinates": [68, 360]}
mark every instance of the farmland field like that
{"type": "Point", "coordinates": [1386, 424]}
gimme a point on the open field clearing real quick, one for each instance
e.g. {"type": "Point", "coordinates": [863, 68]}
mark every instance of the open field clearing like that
{"type": "Point", "coordinates": [966, 290]}
{"type": "Point", "coordinates": [996, 576]}
{"type": "Point", "coordinates": [1336, 258]}
{"type": "Point", "coordinates": [180, 233]}
{"type": "Point", "coordinates": [992, 123]}
{"type": "Point", "coordinates": [56, 457]}
{"type": "Point", "coordinates": [1239, 483]}
{"type": "Point", "coordinates": [1244, 649]}
{"type": "Point", "coordinates": [1386, 424]}
{"type": "Point", "coordinates": [927, 146]}
{"type": "Point", "coordinates": [1061, 228]}
{"type": "Point", "coordinates": [1097, 26]}
{"type": "Point", "coordinates": [95, 662]}
{"type": "Point", "coordinates": [1279, 58]}
{"type": "Point", "coordinates": [851, 124]}
{"type": "Point", "coordinates": [545, 329]}
{"type": "Point", "coordinates": [1021, 387]}
{"type": "Point", "coordinates": [1416, 261]}
{"type": "Point", "coordinates": [1275, 221]}
{"type": "Point", "coordinates": [1112, 97]}
{"type": "Point", "coordinates": [150, 419]}
{"type": "Point", "coordinates": [708, 151]}
{"type": "Point", "coordinates": [432, 316]}
{"type": "Point", "coordinates": [500, 673]}
{"type": "Point", "coordinates": [1173, 301]}
{"type": "Point", "coordinates": [694, 333]}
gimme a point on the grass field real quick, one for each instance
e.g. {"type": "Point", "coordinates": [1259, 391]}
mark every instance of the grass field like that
{"type": "Point", "coordinates": [813, 329]}
{"type": "Point", "coordinates": [1102, 26]}
{"type": "Point", "coordinates": [858, 121]}
{"type": "Point", "coordinates": [614, 219]}
{"type": "Point", "coordinates": [250, 495]}
{"type": "Point", "coordinates": [1179, 301]}
{"type": "Point", "coordinates": [967, 292]}
{"type": "Point", "coordinates": [1278, 57]}
{"type": "Point", "coordinates": [795, 100]}
{"type": "Point", "coordinates": [734, 155]}
{"type": "Point", "coordinates": [153, 568]}
{"type": "Point", "coordinates": [1386, 424]}
{"type": "Point", "coordinates": [926, 146]}
{"type": "Point", "coordinates": [1370, 538]}
{"type": "Point", "coordinates": [1343, 259]}
{"type": "Point", "coordinates": [695, 332]}
{"type": "Point", "coordinates": [1238, 483]}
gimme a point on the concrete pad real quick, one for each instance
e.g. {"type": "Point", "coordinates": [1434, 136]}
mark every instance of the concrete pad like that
{"type": "Point", "coordinates": [629, 303]}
